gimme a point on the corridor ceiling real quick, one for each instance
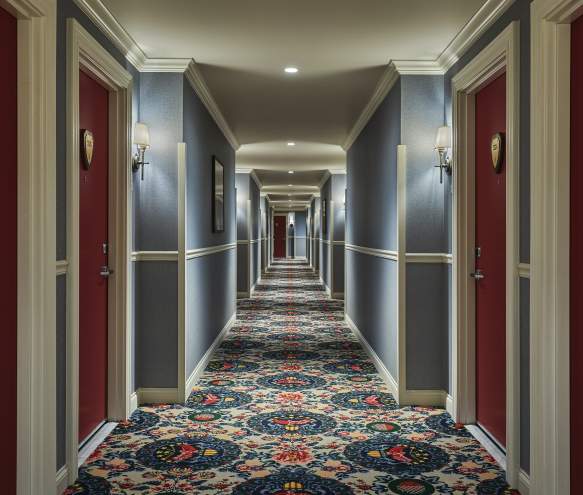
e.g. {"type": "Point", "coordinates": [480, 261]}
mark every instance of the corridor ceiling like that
{"type": "Point", "coordinates": [341, 48]}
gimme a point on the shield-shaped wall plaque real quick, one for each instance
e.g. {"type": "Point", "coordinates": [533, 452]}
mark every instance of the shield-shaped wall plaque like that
{"type": "Point", "coordinates": [497, 148]}
{"type": "Point", "coordinates": [86, 148]}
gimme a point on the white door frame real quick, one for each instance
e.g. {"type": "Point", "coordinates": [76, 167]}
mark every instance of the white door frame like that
{"type": "Point", "coordinates": [85, 53]}
{"type": "Point", "coordinates": [550, 222]}
{"type": "Point", "coordinates": [36, 267]}
{"type": "Point", "coordinates": [501, 55]}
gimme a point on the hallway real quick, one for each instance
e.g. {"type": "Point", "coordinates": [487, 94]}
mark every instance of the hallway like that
{"type": "Point", "coordinates": [289, 404]}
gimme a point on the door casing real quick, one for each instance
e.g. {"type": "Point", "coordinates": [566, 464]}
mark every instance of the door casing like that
{"type": "Point", "coordinates": [501, 55]}
{"type": "Point", "coordinates": [86, 54]}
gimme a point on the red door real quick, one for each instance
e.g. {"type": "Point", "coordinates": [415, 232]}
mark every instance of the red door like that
{"type": "Point", "coordinates": [8, 247]}
{"type": "Point", "coordinates": [279, 228]}
{"type": "Point", "coordinates": [93, 116]}
{"type": "Point", "coordinates": [491, 261]}
{"type": "Point", "coordinates": [576, 316]}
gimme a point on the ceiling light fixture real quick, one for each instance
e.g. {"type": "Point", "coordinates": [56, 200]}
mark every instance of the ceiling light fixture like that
{"type": "Point", "coordinates": [290, 185]}
{"type": "Point", "coordinates": [291, 70]}
{"type": "Point", "coordinates": [290, 172]}
{"type": "Point", "coordinates": [291, 143]}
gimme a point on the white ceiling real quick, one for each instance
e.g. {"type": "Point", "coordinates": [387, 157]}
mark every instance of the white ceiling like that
{"type": "Point", "coordinates": [340, 46]}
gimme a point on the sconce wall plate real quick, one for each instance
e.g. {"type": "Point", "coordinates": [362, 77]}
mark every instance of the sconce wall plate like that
{"type": "Point", "coordinates": [87, 145]}
{"type": "Point", "coordinates": [497, 146]}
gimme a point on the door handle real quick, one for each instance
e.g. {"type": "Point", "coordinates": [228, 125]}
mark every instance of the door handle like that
{"type": "Point", "coordinates": [105, 271]}
{"type": "Point", "coordinates": [477, 275]}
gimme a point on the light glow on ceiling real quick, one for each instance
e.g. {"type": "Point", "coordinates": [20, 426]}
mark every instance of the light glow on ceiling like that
{"type": "Point", "coordinates": [290, 172]}
{"type": "Point", "coordinates": [291, 70]}
{"type": "Point", "coordinates": [291, 143]}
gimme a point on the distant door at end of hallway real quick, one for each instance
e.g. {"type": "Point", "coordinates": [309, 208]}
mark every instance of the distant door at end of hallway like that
{"type": "Point", "coordinates": [490, 236]}
{"type": "Point", "coordinates": [279, 230]}
{"type": "Point", "coordinates": [93, 251]}
{"type": "Point", "coordinates": [576, 261]}
{"type": "Point", "coordinates": [8, 247]}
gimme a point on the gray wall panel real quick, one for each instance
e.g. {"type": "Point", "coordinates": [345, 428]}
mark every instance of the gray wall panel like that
{"type": "Point", "coordinates": [157, 324]}
{"type": "Point", "coordinates": [242, 267]}
{"type": "Point", "coordinates": [161, 106]}
{"type": "Point", "coordinates": [421, 115]}
{"type": "Point", "coordinates": [210, 300]}
{"type": "Point", "coordinates": [427, 335]}
{"type": "Point", "coordinates": [373, 308]}
{"type": "Point", "coordinates": [204, 139]}
{"type": "Point", "coordinates": [338, 251]}
{"type": "Point", "coordinates": [372, 178]}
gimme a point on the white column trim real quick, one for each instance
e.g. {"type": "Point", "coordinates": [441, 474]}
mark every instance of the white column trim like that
{"type": "Point", "coordinates": [381, 253]}
{"type": "Point", "coordinates": [36, 241]}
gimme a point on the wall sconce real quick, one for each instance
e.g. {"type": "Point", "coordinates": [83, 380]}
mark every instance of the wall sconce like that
{"type": "Point", "coordinates": [442, 144]}
{"type": "Point", "coordinates": [142, 141]}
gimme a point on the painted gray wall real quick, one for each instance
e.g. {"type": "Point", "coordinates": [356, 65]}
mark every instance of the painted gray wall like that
{"type": "Point", "coordinates": [316, 219]}
{"type": "Point", "coordinates": [371, 221]}
{"type": "Point", "coordinates": [325, 196]}
{"type": "Point", "coordinates": [156, 324]}
{"type": "Point", "coordinates": [301, 234]}
{"type": "Point", "coordinates": [248, 228]}
{"type": "Point", "coordinates": [422, 100]}
{"type": "Point", "coordinates": [211, 289]}
{"type": "Point", "coordinates": [338, 193]}
{"type": "Point", "coordinates": [255, 197]}
{"type": "Point", "coordinates": [373, 307]}
{"type": "Point", "coordinates": [210, 280]}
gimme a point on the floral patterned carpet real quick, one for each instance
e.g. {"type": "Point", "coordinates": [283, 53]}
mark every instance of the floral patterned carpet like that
{"type": "Point", "coordinates": [290, 405]}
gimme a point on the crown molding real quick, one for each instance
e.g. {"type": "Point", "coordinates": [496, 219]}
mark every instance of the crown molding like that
{"type": "Point", "coordinates": [481, 21]}
{"type": "Point", "coordinates": [243, 170]}
{"type": "Point", "coordinates": [337, 171]}
{"type": "Point", "coordinates": [100, 15]}
{"type": "Point", "coordinates": [198, 83]}
{"type": "Point", "coordinates": [418, 67]}
{"type": "Point", "coordinates": [256, 179]}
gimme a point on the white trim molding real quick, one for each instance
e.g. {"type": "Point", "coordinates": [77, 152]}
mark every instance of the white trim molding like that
{"type": "Point", "coordinates": [550, 151]}
{"type": "Point", "coordinates": [85, 53]}
{"type": "Point", "coordinates": [381, 253]}
{"type": "Point", "coordinates": [523, 270]}
{"type": "Point", "coordinates": [61, 267]}
{"type": "Point", "coordinates": [501, 55]}
{"type": "Point", "coordinates": [36, 226]}
{"type": "Point", "coordinates": [429, 258]}
{"type": "Point", "coordinates": [206, 251]}
{"type": "Point", "coordinates": [155, 256]}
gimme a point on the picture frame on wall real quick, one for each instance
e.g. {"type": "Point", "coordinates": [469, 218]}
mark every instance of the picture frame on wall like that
{"type": "Point", "coordinates": [218, 195]}
{"type": "Point", "coordinates": [324, 217]}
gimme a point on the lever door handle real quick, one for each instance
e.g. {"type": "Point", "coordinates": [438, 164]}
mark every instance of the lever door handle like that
{"type": "Point", "coordinates": [105, 271]}
{"type": "Point", "coordinates": [477, 275]}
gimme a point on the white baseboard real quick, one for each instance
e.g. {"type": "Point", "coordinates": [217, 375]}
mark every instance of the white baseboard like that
{"type": "Point", "coordinates": [436, 398]}
{"type": "Point", "coordinates": [203, 363]}
{"type": "Point", "coordinates": [62, 480]}
{"type": "Point", "coordinates": [380, 366]}
{"type": "Point", "coordinates": [523, 483]}
{"type": "Point", "coordinates": [133, 402]}
{"type": "Point", "coordinates": [158, 396]}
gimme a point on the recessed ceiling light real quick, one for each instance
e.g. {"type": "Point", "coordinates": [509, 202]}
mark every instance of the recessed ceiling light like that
{"type": "Point", "coordinates": [290, 172]}
{"type": "Point", "coordinates": [291, 70]}
{"type": "Point", "coordinates": [289, 200]}
{"type": "Point", "coordinates": [290, 185]}
{"type": "Point", "coordinates": [291, 143]}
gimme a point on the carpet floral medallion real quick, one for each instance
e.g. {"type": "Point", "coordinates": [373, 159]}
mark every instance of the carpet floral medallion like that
{"type": "Point", "coordinates": [290, 404]}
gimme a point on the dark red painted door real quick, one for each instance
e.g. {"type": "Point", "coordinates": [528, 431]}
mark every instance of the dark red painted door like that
{"type": "Point", "coordinates": [279, 229]}
{"type": "Point", "coordinates": [8, 247]}
{"type": "Point", "coordinates": [576, 275]}
{"type": "Point", "coordinates": [491, 241]}
{"type": "Point", "coordinates": [93, 116]}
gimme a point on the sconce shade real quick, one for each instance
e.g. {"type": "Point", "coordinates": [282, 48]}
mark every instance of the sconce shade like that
{"type": "Point", "coordinates": [443, 138]}
{"type": "Point", "coordinates": [141, 135]}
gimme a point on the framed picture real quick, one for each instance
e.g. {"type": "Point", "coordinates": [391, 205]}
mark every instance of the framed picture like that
{"type": "Point", "coordinates": [218, 196]}
{"type": "Point", "coordinates": [324, 218]}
